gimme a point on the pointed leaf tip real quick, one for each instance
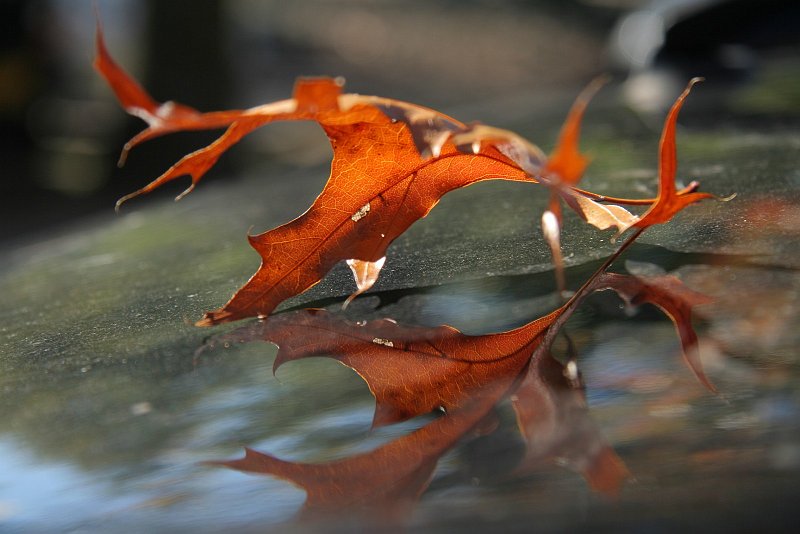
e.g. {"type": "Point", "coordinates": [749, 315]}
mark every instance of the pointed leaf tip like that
{"type": "Point", "coordinates": [566, 161]}
{"type": "Point", "coordinates": [670, 201]}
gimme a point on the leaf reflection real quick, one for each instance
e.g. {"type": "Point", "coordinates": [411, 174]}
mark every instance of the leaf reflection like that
{"type": "Point", "coordinates": [414, 370]}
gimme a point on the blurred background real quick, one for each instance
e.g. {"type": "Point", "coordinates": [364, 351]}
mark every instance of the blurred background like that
{"type": "Point", "coordinates": [61, 129]}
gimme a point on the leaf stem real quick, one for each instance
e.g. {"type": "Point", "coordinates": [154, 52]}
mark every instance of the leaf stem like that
{"type": "Point", "coordinates": [569, 307]}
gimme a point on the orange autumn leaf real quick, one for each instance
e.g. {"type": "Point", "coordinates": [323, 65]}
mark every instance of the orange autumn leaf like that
{"type": "Point", "coordinates": [392, 163]}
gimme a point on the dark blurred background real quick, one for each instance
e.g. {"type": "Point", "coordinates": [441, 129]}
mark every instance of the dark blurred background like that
{"type": "Point", "coordinates": [62, 130]}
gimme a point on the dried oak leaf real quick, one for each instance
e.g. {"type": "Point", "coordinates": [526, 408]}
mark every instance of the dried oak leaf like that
{"type": "Point", "coordinates": [392, 162]}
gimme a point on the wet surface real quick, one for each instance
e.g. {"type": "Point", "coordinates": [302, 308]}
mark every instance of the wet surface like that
{"type": "Point", "coordinates": [108, 412]}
